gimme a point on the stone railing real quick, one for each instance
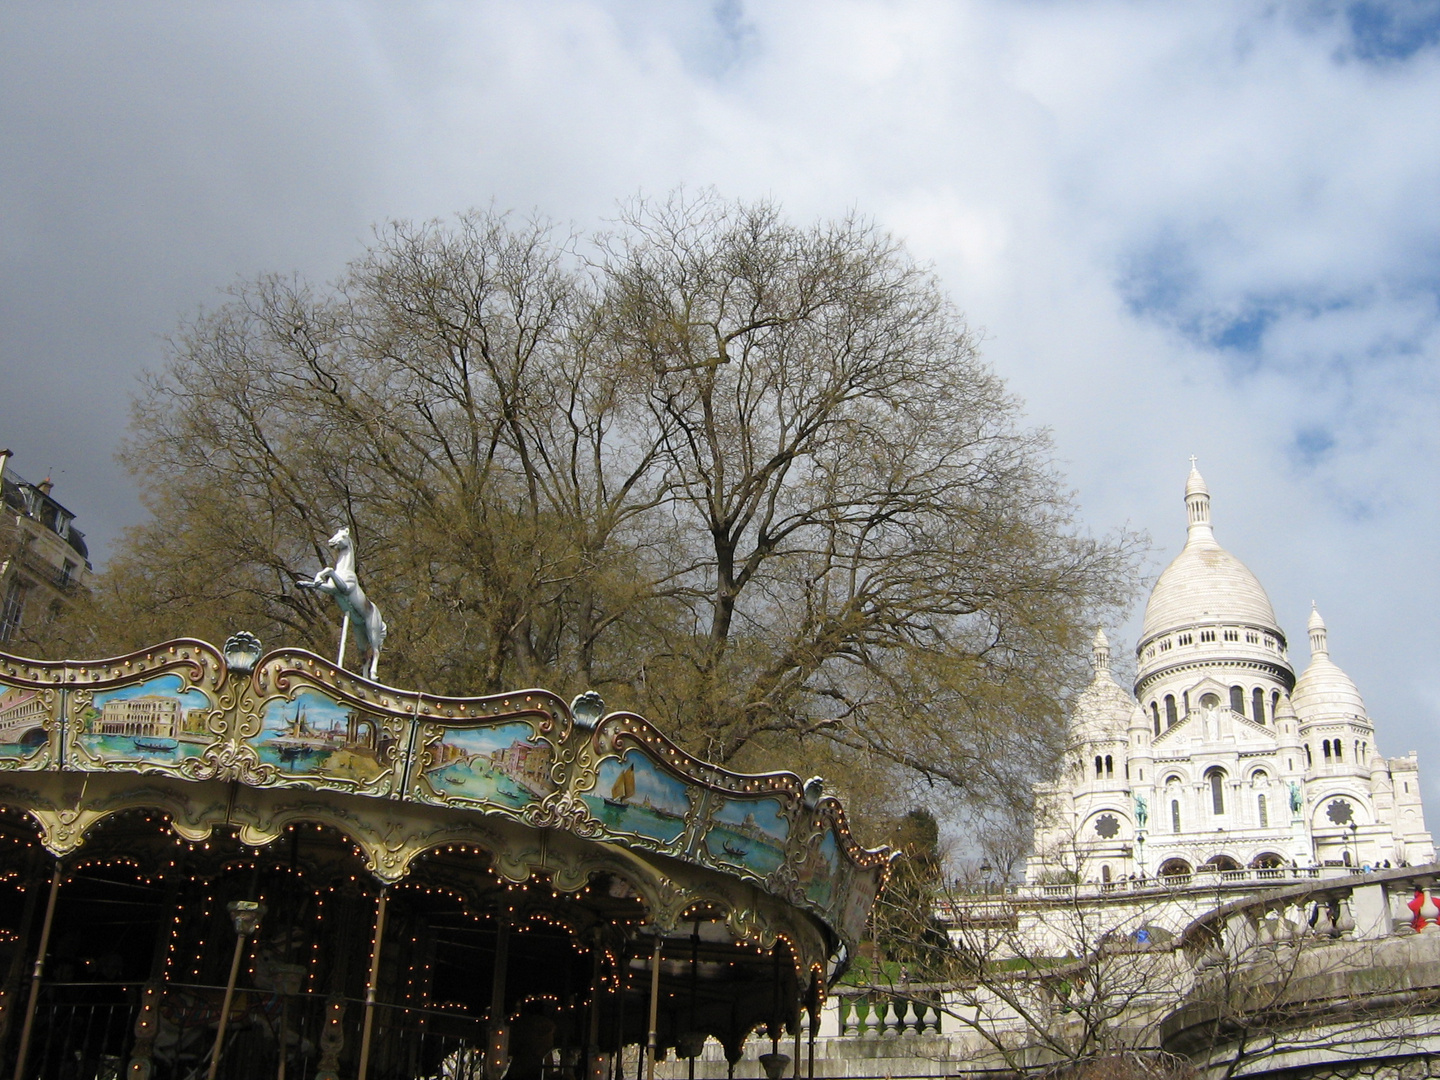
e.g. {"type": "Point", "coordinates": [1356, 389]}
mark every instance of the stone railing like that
{"type": "Point", "coordinates": [877, 1014]}
{"type": "Point", "coordinates": [1343, 973]}
{"type": "Point", "coordinates": [1202, 878]}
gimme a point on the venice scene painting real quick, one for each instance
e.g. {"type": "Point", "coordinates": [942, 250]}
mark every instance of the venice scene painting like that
{"type": "Point", "coordinates": [504, 765]}
{"type": "Point", "coordinates": [314, 734]}
{"type": "Point", "coordinates": [156, 720]}
{"type": "Point", "coordinates": [749, 833]}
{"type": "Point", "coordinates": [23, 714]}
{"type": "Point", "coordinates": [820, 869]}
{"type": "Point", "coordinates": [633, 795]}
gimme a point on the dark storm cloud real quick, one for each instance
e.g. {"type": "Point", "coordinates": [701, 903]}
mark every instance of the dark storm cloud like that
{"type": "Point", "coordinates": [150, 155]}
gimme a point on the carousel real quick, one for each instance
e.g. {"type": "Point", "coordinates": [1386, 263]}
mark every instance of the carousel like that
{"type": "Point", "coordinates": [218, 863]}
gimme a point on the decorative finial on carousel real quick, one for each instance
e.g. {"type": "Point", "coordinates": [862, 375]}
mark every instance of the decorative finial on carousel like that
{"type": "Point", "coordinates": [241, 651]}
{"type": "Point", "coordinates": [587, 709]}
{"type": "Point", "coordinates": [356, 609]}
{"type": "Point", "coordinates": [813, 792]}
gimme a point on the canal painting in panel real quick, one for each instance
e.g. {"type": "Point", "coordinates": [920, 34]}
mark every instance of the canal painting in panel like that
{"type": "Point", "coordinates": [314, 735]}
{"type": "Point", "coordinates": [750, 834]}
{"type": "Point", "coordinates": [156, 720]}
{"type": "Point", "coordinates": [818, 872]}
{"type": "Point", "coordinates": [23, 716]}
{"type": "Point", "coordinates": [503, 765]}
{"type": "Point", "coordinates": [632, 795]}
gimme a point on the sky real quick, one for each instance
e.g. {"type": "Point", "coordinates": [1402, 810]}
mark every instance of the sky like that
{"type": "Point", "coordinates": [1187, 228]}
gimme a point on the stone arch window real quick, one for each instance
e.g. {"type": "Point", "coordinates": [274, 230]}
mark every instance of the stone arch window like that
{"type": "Point", "coordinates": [1338, 755]}
{"type": "Point", "coordinates": [1258, 700]}
{"type": "Point", "coordinates": [1216, 778]}
{"type": "Point", "coordinates": [1155, 714]}
{"type": "Point", "coordinates": [1105, 873]}
{"type": "Point", "coordinates": [1170, 710]}
{"type": "Point", "coordinates": [1207, 635]}
{"type": "Point", "coordinates": [1264, 818]}
{"type": "Point", "coordinates": [1186, 639]}
{"type": "Point", "coordinates": [1174, 815]}
{"type": "Point", "coordinates": [1099, 767]}
{"type": "Point", "coordinates": [1175, 868]}
{"type": "Point", "coordinates": [1309, 757]}
{"type": "Point", "coordinates": [1237, 699]}
{"type": "Point", "coordinates": [1232, 635]}
{"type": "Point", "coordinates": [1325, 748]}
{"type": "Point", "coordinates": [1109, 765]}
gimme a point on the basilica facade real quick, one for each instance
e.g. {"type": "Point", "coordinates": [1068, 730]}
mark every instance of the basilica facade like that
{"type": "Point", "coordinates": [1221, 759]}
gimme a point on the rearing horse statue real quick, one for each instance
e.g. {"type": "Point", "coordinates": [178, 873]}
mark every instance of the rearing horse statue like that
{"type": "Point", "coordinates": [342, 583]}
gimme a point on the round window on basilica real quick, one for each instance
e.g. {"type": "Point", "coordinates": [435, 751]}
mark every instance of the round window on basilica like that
{"type": "Point", "coordinates": [1340, 811]}
{"type": "Point", "coordinates": [1107, 826]}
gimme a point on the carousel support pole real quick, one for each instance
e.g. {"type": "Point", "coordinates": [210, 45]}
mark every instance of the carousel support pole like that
{"type": "Point", "coordinates": [654, 1038]}
{"type": "Point", "coordinates": [246, 915]}
{"type": "Point", "coordinates": [37, 974]}
{"type": "Point", "coordinates": [497, 1032]}
{"type": "Point", "coordinates": [592, 1035]}
{"type": "Point", "coordinates": [368, 1028]}
{"type": "Point", "coordinates": [344, 636]}
{"type": "Point", "coordinates": [812, 1007]}
{"type": "Point", "coordinates": [799, 1012]}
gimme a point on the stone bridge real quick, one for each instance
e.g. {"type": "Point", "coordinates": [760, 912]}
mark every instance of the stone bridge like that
{"type": "Point", "coordinates": [1333, 979]}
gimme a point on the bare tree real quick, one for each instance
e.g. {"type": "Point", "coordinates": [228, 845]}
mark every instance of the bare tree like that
{"type": "Point", "coordinates": [748, 477]}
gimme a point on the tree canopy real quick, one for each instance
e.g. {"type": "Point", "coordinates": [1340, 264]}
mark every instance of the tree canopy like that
{"type": "Point", "coordinates": [746, 477]}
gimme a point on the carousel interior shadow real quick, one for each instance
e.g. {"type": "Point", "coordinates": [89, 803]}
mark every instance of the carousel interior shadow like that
{"type": "Point", "coordinates": [141, 922]}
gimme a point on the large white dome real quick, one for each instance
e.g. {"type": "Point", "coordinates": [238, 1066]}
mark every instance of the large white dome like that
{"type": "Point", "coordinates": [1205, 583]}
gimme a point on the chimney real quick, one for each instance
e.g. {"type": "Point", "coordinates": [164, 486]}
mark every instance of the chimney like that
{"type": "Point", "coordinates": [44, 487]}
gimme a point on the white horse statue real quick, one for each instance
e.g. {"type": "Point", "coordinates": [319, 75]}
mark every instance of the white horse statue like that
{"type": "Point", "coordinates": [355, 607]}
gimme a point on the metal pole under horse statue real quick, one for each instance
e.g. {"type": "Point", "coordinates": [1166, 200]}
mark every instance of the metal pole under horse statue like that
{"type": "Point", "coordinates": [341, 582]}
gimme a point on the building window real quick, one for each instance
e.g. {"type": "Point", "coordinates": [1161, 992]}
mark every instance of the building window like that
{"type": "Point", "coordinates": [12, 609]}
{"type": "Point", "coordinates": [1109, 765]}
{"type": "Point", "coordinates": [1232, 635]}
{"type": "Point", "coordinates": [1105, 873]}
{"type": "Point", "coordinates": [1217, 791]}
{"type": "Point", "coordinates": [1252, 638]}
{"type": "Point", "coordinates": [1155, 713]}
{"type": "Point", "coordinates": [1207, 635]}
{"type": "Point", "coordinates": [1264, 815]}
{"type": "Point", "coordinates": [1258, 699]}
{"type": "Point", "coordinates": [1169, 710]}
{"type": "Point", "coordinates": [1099, 767]}
{"type": "Point", "coordinates": [1174, 815]}
{"type": "Point", "coordinates": [1237, 699]}
{"type": "Point", "coordinates": [1186, 639]}
{"type": "Point", "coordinates": [1338, 755]}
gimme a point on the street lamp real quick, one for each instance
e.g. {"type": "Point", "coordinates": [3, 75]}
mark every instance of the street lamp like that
{"type": "Point", "coordinates": [1354, 843]}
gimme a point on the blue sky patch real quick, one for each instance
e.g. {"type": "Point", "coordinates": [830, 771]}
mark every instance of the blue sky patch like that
{"type": "Point", "coordinates": [1393, 30]}
{"type": "Point", "coordinates": [1312, 444]}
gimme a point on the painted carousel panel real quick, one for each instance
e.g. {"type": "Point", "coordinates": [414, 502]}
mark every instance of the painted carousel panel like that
{"type": "Point", "coordinates": [749, 834]}
{"type": "Point", "coordinates": [633, 796]}
{"type": "Point", "coordinates": [313, 736]}
{"type": "Point", "coordinates": [25, 723]}
{"type": "Point", "coordinates": [505, 766]}
{"type": "Point", "coordinates": [159, 721]}
{"type": "Point", "coordinates": [820, 868]}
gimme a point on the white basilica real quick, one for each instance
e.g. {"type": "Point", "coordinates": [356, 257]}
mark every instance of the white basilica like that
{"type": "Point", "coordinates": [1222, 759]}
